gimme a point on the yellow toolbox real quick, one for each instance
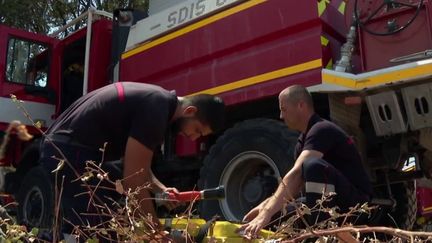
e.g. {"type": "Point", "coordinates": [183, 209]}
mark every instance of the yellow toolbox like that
{"type": "Point", "coordinates": [212, 231]}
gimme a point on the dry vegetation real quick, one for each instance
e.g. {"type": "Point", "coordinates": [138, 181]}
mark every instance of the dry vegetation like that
{"type": "Point", "coordinates": [124, 223]}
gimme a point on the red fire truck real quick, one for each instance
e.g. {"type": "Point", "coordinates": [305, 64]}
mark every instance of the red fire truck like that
{"type": "Point", "coordinates": [367, 63]}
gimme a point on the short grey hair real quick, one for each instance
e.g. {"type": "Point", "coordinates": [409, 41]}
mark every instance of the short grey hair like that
{"type": "Point", "coordinates": [296, 93]}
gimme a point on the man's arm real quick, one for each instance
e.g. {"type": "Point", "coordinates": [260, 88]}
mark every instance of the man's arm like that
{"type": "Point", "coordinates": [288, 189]}
{"type": "Point", "coordinates": [137, 157]}
{"type": "Point", "coordinates": [157, 186]}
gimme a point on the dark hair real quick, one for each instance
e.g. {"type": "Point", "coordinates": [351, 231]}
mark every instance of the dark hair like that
{"type": "Point", "coordinates": [210, 110]}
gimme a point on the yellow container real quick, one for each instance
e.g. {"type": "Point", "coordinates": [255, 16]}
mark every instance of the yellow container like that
{"type": "Point", "coordinates": [220, 231]}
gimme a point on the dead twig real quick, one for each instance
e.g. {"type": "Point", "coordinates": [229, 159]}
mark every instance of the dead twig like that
{"type": "Point", "coordinates": [403, 234]}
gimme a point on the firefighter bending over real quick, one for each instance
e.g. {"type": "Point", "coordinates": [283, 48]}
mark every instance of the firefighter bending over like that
{"type": "Point", "coordinates": [132, 118]}
{"type": "Point", "coordinates": [326, 161]}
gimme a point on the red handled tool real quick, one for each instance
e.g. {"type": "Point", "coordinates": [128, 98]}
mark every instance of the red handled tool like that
{"type": "Point", "coordinates": [188, 196]}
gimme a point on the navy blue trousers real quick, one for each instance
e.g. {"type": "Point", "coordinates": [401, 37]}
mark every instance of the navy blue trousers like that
{"type": "Point", "coordinates": [75, 195]}
{"type": "Point", "coordinates": [320, 176]}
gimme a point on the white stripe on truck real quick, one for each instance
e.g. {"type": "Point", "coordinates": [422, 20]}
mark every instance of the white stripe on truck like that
{"type": "Point", "coordinates": [180, 14]}
{"type": "Point", "coordinates": [43, 112]}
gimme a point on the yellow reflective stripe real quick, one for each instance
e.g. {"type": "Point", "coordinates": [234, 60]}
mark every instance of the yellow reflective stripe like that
{"type": "Point", "coordinates": [322, 5]}
{"type": "Point", "coordinates": [394, 76]}
{"type": "Point", "coordinates": [189, 28]}
{"type": "Point", "coordinates": [342, 7]}
{"type": "Point", "coordinates": [427, 209]}
{"type": "Point", "coordinates": [337, 80]}
{"type": "Point", "coordinates": [409, 169]}
{"type": "Point", "coordinates": [324, 41]}
{"type": "Point", "coordinates": [329, 64]}
{"type": "Point", "coordinates": [262, 77]}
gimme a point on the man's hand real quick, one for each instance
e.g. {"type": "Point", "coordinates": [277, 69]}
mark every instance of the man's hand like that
{"type": "Point", "coordinates": [253, 227]}
{"type": "Point", "coordinates": [254, 212]}
{"type": "Point", "coordinates": [171, 204]}
{"type": "Point", "coordinates": [159, 187]}
{"type": "Point", "coordinates": [287, 190]}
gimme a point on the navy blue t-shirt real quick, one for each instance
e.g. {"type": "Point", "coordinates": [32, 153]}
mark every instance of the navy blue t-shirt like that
{"type": "Point", "coordinates": [338, 149]}
{"type": "Point", "coordinates": [115, 112]}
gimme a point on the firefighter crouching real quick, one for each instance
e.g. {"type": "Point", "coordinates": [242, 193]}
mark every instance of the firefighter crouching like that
{"type": "Point", "coordinates": [326, 161]}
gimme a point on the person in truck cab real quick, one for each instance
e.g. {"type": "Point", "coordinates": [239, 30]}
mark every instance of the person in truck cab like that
{"type": "Point", "coordinates": [127, 120]}
{"type": "Point", "coordinates": [326, 161]}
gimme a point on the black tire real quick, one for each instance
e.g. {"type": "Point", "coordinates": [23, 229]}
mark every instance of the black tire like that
{"type": "Point", "coordinates": [36, 199]}
{"type": "Point", "coordinates": [404, 214]}
{"type": "Point", "coordinates": [248, 160]}
{"type": "Point", "coordinates": [28, 158]}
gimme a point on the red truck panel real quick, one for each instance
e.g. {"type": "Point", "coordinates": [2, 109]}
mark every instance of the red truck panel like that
{"type": "Point", "coordinates": [376, 51]}
{"type": "Point", "coordinates": [268, 37]}
{"type": "Point", "coordinates": [100, 54]}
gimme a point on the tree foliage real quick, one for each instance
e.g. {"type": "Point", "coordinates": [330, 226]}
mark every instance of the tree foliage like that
{"type": "Point", "coordinates": [44, 16]}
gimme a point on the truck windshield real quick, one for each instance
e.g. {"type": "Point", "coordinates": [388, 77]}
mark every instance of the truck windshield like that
{"type": "Point", "coordinates": [27, 63]}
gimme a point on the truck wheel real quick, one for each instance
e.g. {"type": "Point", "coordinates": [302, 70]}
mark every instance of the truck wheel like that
{"type": "Point", "coordinates": [36, 199]}
{"type": "Point", "coordinates": [404, 215]}
{"type": "Point", "coordinates": [248, 160]}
